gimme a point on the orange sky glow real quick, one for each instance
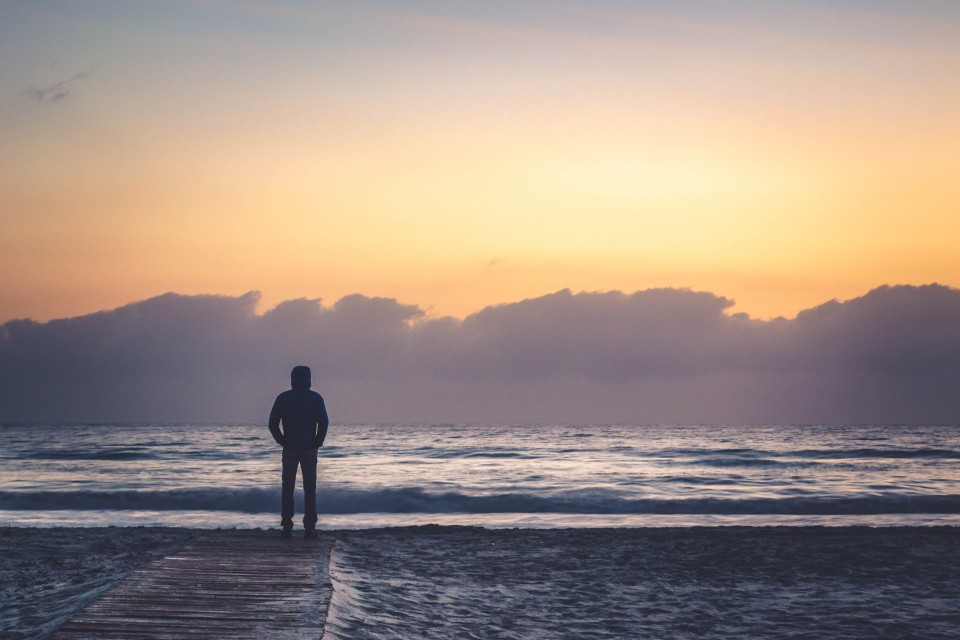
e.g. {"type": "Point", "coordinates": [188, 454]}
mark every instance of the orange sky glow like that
{"type": "Point", "coordinates": [779, 153]}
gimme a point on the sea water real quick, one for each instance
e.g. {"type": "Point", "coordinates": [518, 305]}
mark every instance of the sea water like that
{"type": "Point", "coordinates": [370, 475]}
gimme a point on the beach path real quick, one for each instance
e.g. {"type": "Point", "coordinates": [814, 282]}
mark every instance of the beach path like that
{"type": "Point", "coordinates": [244, 584]}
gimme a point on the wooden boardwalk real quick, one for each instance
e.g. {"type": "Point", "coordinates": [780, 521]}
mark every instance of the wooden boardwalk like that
{"type": "Point", "coordinates": [245, 584]}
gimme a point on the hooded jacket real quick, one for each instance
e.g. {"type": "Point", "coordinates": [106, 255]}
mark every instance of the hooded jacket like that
{"type": "Point", "coordinates": [301, 412]}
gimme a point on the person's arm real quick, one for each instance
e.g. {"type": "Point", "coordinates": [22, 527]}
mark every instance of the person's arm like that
{"type": "Point", "coordinates": [323, 421]}
{"type": "Point", "coordinates": [274, 422]}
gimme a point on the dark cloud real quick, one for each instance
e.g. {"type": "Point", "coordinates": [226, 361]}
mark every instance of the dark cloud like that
{"type": "Point", "coordinates": [661, 355]}
{"type": "Point", "coordinates": [57, 91]}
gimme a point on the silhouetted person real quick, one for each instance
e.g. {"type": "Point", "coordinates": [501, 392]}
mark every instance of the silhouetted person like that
{"type": "Point", "coordinates": [303, 415]}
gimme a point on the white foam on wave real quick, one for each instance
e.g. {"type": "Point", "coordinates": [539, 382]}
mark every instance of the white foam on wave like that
{"type": "Point", "coordinates": [240, 520]}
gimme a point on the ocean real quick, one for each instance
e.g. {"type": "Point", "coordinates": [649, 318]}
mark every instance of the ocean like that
{"type": "Point", "coordinates": [497, 476]}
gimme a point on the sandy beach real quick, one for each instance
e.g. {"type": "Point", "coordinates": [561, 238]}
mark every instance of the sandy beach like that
{"type": "Point", "coordinates": [441, 582]}
{"type": "Point", "coordinates": [47, 575]}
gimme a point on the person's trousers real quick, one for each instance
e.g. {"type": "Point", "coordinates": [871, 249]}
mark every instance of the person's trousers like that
{"type": "Point", "coordinates": [306, 459]}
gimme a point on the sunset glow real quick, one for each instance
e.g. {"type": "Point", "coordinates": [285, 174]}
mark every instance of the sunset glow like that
{"type": "Point", "coordinates": [778, 153]}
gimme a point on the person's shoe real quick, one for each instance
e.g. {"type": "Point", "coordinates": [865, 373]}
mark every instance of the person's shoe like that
{"type": "Point", "coordinates": [310, 534]}
{"type": "Point", "coordinates": [286, 534]}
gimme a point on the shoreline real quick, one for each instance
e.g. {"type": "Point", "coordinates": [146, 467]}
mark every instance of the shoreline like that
{"type": "Point", "coordinates": [600, 582]}
{"type": "Point", "coordinates": [199, 519]}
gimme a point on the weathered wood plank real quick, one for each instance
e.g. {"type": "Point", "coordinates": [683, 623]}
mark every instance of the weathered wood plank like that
{"type": "Point", "coordinates": [245, 584]}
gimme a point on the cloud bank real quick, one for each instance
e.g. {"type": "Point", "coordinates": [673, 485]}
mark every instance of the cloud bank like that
{"type": "Point", "coordinates": [654, 356]}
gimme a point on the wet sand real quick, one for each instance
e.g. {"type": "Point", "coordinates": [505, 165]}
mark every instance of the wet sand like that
{"type": "Point", "coordinates": [442, 582]}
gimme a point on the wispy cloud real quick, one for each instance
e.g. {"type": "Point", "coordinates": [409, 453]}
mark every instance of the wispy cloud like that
{"type": "Point", "coordinates": [58, 91]}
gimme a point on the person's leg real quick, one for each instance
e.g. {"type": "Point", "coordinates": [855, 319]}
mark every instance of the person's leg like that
{"type": "Point", "coordinates": [308, 468]}
{"type": "Point", "coordinates": [288, 483]}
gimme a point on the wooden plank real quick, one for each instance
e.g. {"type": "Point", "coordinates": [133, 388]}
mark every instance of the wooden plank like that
{"type": "Point", "coordinates": [243, 584]}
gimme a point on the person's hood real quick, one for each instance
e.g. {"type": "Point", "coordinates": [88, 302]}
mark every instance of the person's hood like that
{"type": "Point", "coordinates": [300, 377]}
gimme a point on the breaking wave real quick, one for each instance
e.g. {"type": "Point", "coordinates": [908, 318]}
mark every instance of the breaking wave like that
{"type": "Point", "coordinates": [415, 500]}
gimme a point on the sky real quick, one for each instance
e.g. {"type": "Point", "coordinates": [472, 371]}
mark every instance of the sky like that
{"type": "Point", "coordinates": [456, 155]}
{"type": "Point", "coordinates": [452, 164]}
